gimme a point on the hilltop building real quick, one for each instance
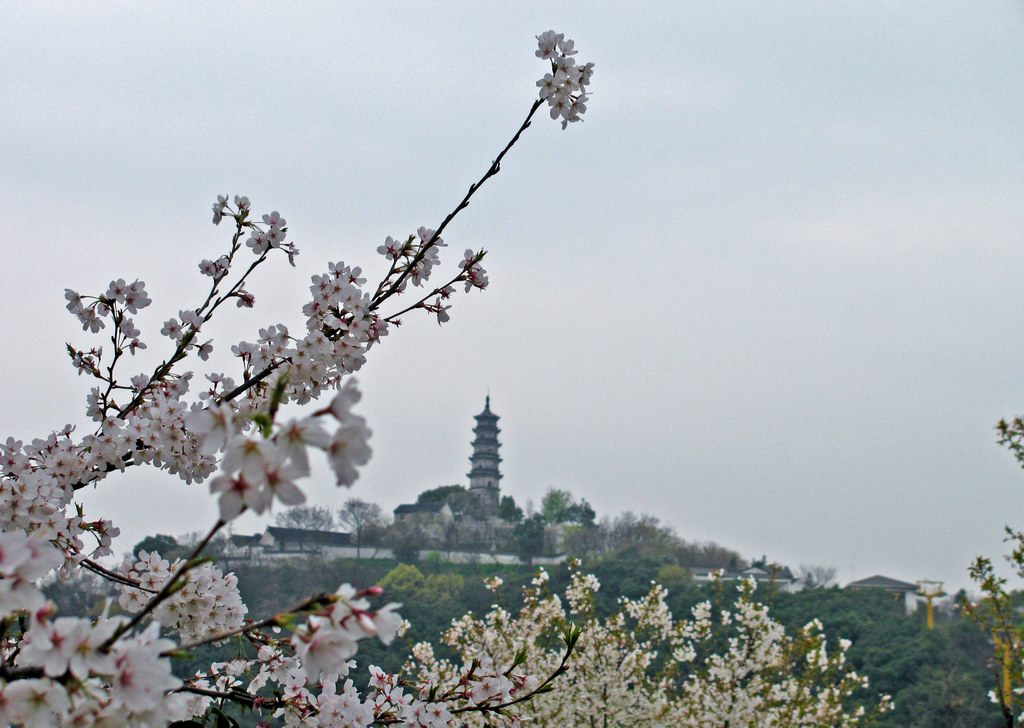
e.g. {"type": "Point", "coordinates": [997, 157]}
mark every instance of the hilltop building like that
{"type": "Point", "coordinates": [781, 577]}
{"type": "Point", "coordinates": [484, 478]}
{"type": "Point", "coordinates": [437, 510]}
{"type": "Point", "coordinates": [277, 541]}
{"type": "Point", "coordinates": [485, 475]}
{"type": "Point", "coordinates": [904, 591]}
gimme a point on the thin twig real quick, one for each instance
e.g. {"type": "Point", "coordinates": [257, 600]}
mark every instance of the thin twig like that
{"type": "Point", "coordinates": [253, 380]}
{"type": "Point", "coordinates": [238, 697]}
{"type": "Point", "coordinates": [420, 303]}
{"type": "Point", "coordinates": [491, 171]}
{"type": "Point", "coordinates": [113, 576]}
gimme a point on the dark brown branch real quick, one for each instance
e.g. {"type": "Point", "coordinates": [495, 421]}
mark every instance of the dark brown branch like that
{"type": "Point", "coordinates": [238, 697]}
{"type": "Point", "coordinates": [491, 171]}
{"type": "Point", "coordinates": [419, 304]}
{"type": "Point", "coordinates": [95, 568]}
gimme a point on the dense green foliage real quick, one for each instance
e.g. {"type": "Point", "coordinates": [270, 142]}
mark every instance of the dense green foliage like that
{"type": "Point", "coordinates": [559, 506]}
{"type": "Point", "coordinates": [167, 546]}
{"type": "Point", "coordinates": [938, 677]}
{"type": "Point", "coordinates": [529, 538]}
{"type": "Point", "coordinates": [508, 510]}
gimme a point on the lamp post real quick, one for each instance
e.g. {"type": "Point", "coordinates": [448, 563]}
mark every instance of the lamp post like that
{"type": "Point", "coordinates": [930, 590]}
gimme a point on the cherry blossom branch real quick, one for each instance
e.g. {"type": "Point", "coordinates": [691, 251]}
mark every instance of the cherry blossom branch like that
{"type": "Point", "coordinates": [118, 351]}
{"type": "Point", "coordinates": [95, 568]}
{"type": "Point", "coordinates": [237, 286]}
{"type": "Point", "coordinates": [226, 397]}
{"type": "Point", "coordinates": [169, 587]}
{"type": "Point", "coordinates": [238, 697]}
{"type": "Point", "coordinates": [419, 304]}
{"type": "Point", "coordinates": [253, 380]}
{"type": "Point", "coordinates": [385, 279]}
{"type": "Point", "coordinates": [121, 666]}
{"type": "Point", "coordinates": [109, 468]}
{"type": "Point", "coordinates": [491, 171]}
{"type": "Point", "coordinates": [570, 638]}
{"type": "Point", "coordinates": [239, 229]}
{"type": "Point", "coordinates": [10, 674]}
{"type": "Point", "coordinates": [542, 688]}
{"type": "Point", "coordinates": [162, 370]}
{"type": "Point", "coordinates": [165, 367]}
{"type": "Point", "coordinates": [272, 621]}
{"type": "Point", "coordinates": [180, 351]}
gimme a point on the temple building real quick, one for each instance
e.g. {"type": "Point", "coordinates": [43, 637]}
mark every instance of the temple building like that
{"type": "Point", "coordinates": [484, 475]}
{"type": "Point", "coordinates": [484, 478]}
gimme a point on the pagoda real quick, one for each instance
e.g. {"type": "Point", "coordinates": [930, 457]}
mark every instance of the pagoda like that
{"type": "Point", "coordinates": [484, 474]}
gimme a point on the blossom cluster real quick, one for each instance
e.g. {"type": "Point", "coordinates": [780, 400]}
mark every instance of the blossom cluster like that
{"type": "Point", "coordinates": [564, 88]}
{"type": "Point", "coordinates": [727, 664]}
{"type": "Point", "coordinates": [310, 674]}
{"type": "Point", "coordinates": [72, 670]}
{"type": "Point", "coordinates": [207, 604]}
{"type": "Point", "coordinates": [78, 671]}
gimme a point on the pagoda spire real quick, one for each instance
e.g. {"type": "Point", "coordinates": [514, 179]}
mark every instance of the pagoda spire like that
{"type": "Point", "coordinates": [485, 472]}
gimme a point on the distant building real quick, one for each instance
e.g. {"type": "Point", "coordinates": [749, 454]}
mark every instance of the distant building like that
{"type": "Point", "coordinates": [777, 573]}
{"type": "Point", "coordinates": [781, 577]}
{"type": "Point", "coordinates": [244, 547]}
{"type": "Point", "coordinates": [433, 520]}
{"type": "Point", "coordinates": [902, 590]}
{"type": "Point", "coordinates": [466, 529]}
{"type": "Point", "coordinates": [485, 475]}
{"type": "Point", "coordinates": [437, 511]}
{"type": "Point", "coordinates": [278, 540]}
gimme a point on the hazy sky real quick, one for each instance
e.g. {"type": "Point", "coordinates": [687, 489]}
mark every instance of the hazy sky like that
{"type": "Point", "coordinates": [769, 291]}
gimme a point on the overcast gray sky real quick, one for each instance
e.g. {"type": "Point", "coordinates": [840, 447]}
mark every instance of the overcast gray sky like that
{"type": "Point", "coordinates": [769, 291]}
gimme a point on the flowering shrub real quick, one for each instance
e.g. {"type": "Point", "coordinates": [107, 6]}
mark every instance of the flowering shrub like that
{"type": "Point", "coordinates": [224, 429]}
{"type": "Point", "coordinates": [728, 664]}
{"type": "Point", "coordinates": [998, 609]}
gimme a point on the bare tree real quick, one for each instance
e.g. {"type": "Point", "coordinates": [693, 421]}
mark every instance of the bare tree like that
{"type": "Point", "coordinates": [310, 518]}
{"type": "Point", "coordinates": [189, 541]}
{"type": "Point", "coordinates": [361, 517]}
{"type": "Point", "coordinates": [815, 576]}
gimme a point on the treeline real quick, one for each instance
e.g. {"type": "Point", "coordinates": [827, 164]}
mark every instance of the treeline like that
{"type": "Point", "coordinates": [562, 524]}
{"type": "Point", "coordinates": [645, 537]}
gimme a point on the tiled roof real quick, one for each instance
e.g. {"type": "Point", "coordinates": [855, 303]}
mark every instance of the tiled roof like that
{"type": "Point", "coordinates": [434, 507]}
{"type": "Point", "coordinates": [755, 572]}
{"type": "Point", "coordinates": [882, 582]}
{"type": "Point", "coordinates": [238, 540]}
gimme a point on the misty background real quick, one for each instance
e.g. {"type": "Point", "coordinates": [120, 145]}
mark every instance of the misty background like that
{"type": "Point", "coordinates": [769, 291]}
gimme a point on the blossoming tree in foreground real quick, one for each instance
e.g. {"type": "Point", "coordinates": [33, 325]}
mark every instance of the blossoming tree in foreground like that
{"type": "Point", "coordinates": [728, 664]}
{"type": "Point", "coordinates": [997, 611]}
{"type": "Point", "coordinates": [229, 430]}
